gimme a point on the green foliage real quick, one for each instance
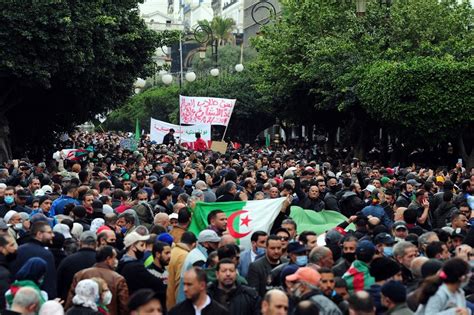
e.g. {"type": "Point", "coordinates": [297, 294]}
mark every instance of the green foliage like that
{"type": "Point", "coordinates": [311, 60]}
{"type": "Point", "coordinates": [228, 57]}
{"type": "Point", "coordinates": [407, 95]}
{"type": "Point", "coordinates": [221, 29]}
{"type": "Point", "coordinates": [66, 61]}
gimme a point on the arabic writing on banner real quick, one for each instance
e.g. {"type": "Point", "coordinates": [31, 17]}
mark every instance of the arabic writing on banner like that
{"type": "Point", "coordinates": [158, 129]}
{"type": "Point", "coordinates": [205, 110]}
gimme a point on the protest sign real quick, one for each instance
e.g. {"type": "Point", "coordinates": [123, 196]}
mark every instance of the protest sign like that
{"type": "Point", "coordinates": [158, 129]}
{"type": "Point", "coordinates": [205, 110]}
{"type": "Point", "coordinates": [219, 146]}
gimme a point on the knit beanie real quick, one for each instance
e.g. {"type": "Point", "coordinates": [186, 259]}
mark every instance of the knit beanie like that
{"type": "Point", "coordinates": [383, 268]}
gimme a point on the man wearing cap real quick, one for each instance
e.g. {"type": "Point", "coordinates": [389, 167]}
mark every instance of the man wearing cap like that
{"type": "Point", "coordinates": [304, 286]}
{"type": "Point", "coordinates": [382, 269]}
{"type": "Point", "coordinates": [10, 203]}
{"type": "Point", "coordinates": [298, 257]}
{"type": "Point", "coordinates": [384, 244]}
{"type": "Point", "coordinates": [358, 275]}
{"type": "Point", "coordinates": [82, 259]}
{"type": "Point", "coordinates": [105, 268]}
{"type": "Point", "coordinates": [394, 297]}
{"type": "Point", "coordinates": [131, 265]}
{"type": "Point", "coordinates": [399, 230]}
{"type": "Point", "coordinates": [208, 241]}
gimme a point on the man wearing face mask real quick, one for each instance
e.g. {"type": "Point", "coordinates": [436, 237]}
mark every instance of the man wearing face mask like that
{"type": "Point", "coordinates": [248, 256]}
{"type": "Point", "coordinates": [8, 250]}
{"type": "Point", "coordinates": [298, 257]}
{"type": "Point", "coordinates": [131, 265]}
{"type": "Point", "coordinates": [105, 268]}
{"type": "Point", "coordinates": [13, 219]}
{"type": "Point", "coordinates": [304, 286]}
{"type": "Point", "coordinates": [208, 241]}
{"type": "Point", "coordinates": [384, 244]}
{"type": "Point", "coordinates": [349, 244]}
{"type": "Point", "coordinates": [9, 202]}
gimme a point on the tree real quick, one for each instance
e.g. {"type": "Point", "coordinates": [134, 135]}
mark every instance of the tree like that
{"type": "Point", "coordinates": [62, 62]}
{"type": "Point", "coordinates": [221, 29]}
{"type": "Point", "coordinates": [311, 59]}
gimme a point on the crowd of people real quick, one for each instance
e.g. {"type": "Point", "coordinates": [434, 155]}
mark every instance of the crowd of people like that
{"type": "Point", "coordinates": [105, 230]}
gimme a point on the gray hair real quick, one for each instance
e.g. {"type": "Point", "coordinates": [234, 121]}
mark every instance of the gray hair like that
{"type": "Point", "coordinates": [317, 254]}
{"type": "Point", "coordinates": [25, 297]}
{"type": "Point", "coordinates": [400, 248]}
{"type": "Point", "coordinates": [416, 265]}
{"type": "Point", "coordinates": [423, 239]}
{"type": "Point", "coordinates": [201, 185]}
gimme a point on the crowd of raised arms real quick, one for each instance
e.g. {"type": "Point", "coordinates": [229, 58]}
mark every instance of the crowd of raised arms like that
{"type": "Point", "coordinates": [101, 229]}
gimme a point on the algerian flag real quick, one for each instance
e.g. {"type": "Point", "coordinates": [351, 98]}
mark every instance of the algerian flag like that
{"type": "Point", "coordinates": [243, 217]}
{"type": "Point", "coordinates": [319, 222]}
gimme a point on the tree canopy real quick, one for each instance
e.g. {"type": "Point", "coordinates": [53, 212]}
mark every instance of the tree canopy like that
{"type": "Point", "coordinates": [62, 62]}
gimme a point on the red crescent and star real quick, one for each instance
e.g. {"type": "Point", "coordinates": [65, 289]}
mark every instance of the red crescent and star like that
{"type": "Point", "coordinates": [244, 221]}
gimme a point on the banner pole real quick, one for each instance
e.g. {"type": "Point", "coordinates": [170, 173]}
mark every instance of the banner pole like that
{"type": "Point", "coordinates": [225, 130]}
{"type": "Point", "coordinates": [179, 143]}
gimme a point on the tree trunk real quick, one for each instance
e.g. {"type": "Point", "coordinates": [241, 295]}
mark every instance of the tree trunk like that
{"type": "Point", "coordinates": [5, 148]}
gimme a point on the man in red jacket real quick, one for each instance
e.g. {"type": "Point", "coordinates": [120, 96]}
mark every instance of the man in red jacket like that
{"type": "Point", "coordinates": [200, 144]}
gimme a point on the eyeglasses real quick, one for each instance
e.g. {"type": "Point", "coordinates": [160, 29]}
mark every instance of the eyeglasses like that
{"type": "Point", "coordinates": [284, 238]}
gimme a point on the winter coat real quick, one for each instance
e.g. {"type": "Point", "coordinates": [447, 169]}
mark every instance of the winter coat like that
{"type": "Point", "coordinates": [35, 248]}
{"type": "Point", "coordinates": [442, 214]}
{"type": "Point", "coordinates": [240, 300]}
{"type": "Point", "coordinates": [186, 307]}
{"type": "Point", "coordinates": [137, 276]}
{"type": "Point", "coordinates": [4, 279]}
{"type": "Point", "coordinates": [178, 256]}
{"type": "Point", "coordinates": [325, 305]}
{"type": "Point", "coordinates": [82, 259]}
{"type": "Point", "coordinates": [116, 283]}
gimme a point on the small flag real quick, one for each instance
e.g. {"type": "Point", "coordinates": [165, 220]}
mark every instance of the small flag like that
{"type": "Point", "coordinates": [137, 130]}
{"type": "Point", "coordinates": [319, 222]}
{"type": "Point", "coordinates": [243, 217]}
{"type": "Point", "coordinates": [267, 140]}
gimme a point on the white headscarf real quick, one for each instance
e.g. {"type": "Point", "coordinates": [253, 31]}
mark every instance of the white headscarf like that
{"type": "Point", "coordinates": [87, 293]}
{"type": "Point", "coordinates": [77, 230]}
{"type": "Point", "coordinates": [9, 215]}
{"type": "Point", "coordinates": [51, 308]}
{"type": "Point", "coordinates": [96, 224]}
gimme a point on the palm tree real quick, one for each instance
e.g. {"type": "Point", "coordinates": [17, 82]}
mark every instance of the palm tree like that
{"type": "Point", "coordinates": [222, 29]}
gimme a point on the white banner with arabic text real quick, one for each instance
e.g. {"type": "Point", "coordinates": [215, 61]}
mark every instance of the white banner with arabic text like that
{"type": "Point", "coordinates": [158, 129]}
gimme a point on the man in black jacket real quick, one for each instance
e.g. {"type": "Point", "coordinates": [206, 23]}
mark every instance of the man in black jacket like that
{"type": "Point", "coordinates": [260, 269]}
{"type": "Point", "coordinates": [84, 258]}
{"type": "Point", "coordinates": [239, 299]}
{"type": "Point", "coordinates": [197, 300]}
{"type": "Point", "coordinates": [7, 250]}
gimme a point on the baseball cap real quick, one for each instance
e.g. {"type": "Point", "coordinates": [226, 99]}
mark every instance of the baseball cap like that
{"type": "Point", "coordinates": [208, 236]}
{"type": "Point", "coordinates": [152, 179]}
{"type": "Point", "coordinates": [399, 225]}
{"type": "Point", "coordinates": [88, 236]}
{"type": "Point", "coordinates": [459, 233]}
{"type": "Point", "coordinates": [47, 189]}
{"type": "Point", "coordinates": [384, 180]}
{"type": "Point", "coordinates": [165, 237]}
{"type": "Point", "coordinates": [384, 238]}
{"type": "Point", "coordinates": [174, 215]}
{"type": "Point", "coordinates": [365, 248]}
{"type": "Point", "coordinates": [134, 237]}
{"type": "Point", "coordinates": [306, 274]}
{"type": "Point", "coordinates": [413, 182]}
{"type": "Point", "coordinates": [370, 188]}
{"type": "Point", "coordinates": [296, 248]}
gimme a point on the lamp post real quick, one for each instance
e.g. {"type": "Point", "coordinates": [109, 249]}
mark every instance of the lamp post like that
{"type": "Point", "coordinates": [361, 7]}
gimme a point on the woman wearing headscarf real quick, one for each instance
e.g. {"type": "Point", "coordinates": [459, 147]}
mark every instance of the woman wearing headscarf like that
{"type": "Point", "coordinates": [84, 301]}
{"type": "Point", "coordinates": [51, 308]}
{"type": "Point", "coordinates": [442, 294]}
{"type": "Point", "coordinates": [105, 296]}
{"type": "Point", "coordinates": [30, 275]}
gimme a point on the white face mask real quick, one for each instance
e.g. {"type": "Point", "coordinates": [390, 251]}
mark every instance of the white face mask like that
{"type": "Point", "coordinates": [107, 298]}
{"type": "Point", "coordinates": [18, 226]}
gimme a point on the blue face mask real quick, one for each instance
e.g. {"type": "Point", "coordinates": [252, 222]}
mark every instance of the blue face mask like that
{"type": "Point", "coordinates": [123, 229]}
{"type": "Point", "coordinates": [388, 251]}
{"type": "Point", "coordinates": [9, 199]}
{"type": "Point", "coordinates": [302, 260]}
{"type": "Point", "coordinates": [260, 251]}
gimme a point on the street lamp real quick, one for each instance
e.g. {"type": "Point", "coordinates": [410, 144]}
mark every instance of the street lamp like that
{"type": "Point", "coordinates": [239, 67]}
{"type": "Point", "coordinates": [215, 72]}
{"type": "Point", "coordinates": [190, 76]}
{"type": "Point", "coordinates": [167, 79]}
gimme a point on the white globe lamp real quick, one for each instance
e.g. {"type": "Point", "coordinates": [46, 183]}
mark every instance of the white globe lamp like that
{"type": "Point", "coordinates": [190, 76]}
{"type": "Point", "coordinates": [215, 72]}
{"type": "Point", "coordinates": [167, 79]}
{"type": "Point", "coordinates": [239, 67]}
